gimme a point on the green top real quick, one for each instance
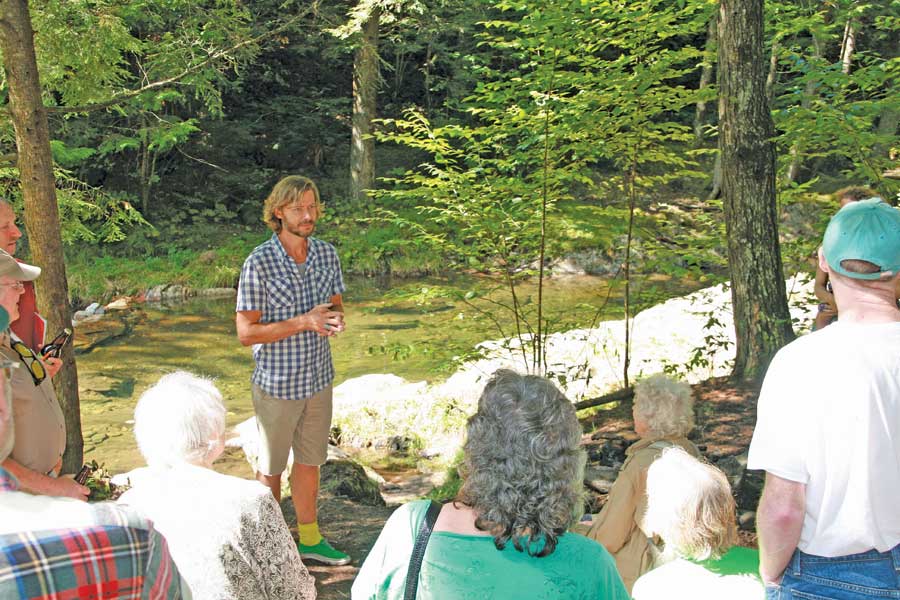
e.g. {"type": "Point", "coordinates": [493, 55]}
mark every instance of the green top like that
{"type": "Point", "coordinates": [737, 561]}
{"type": "Point", "coordinates": [470, 566]}
{"type": "Point", "coordinates": [735, 576]}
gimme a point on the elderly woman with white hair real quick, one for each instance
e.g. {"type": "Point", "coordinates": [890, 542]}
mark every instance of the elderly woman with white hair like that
{"type": "Point", "coordinates": [505, 535]}
{"type": "Point", "coordinates": [663, 417]}
{"type": "Point", "coordinates": [691, 508]}
{"type": "Point", "coordinates": [227, 535]}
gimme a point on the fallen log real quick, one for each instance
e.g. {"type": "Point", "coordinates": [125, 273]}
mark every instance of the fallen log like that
{"type": "Point", "coordinates": [616, 396]}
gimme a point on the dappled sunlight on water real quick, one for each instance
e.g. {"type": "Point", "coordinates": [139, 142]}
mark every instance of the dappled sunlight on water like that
{"type": "Point", "coordinates": [411, 329]}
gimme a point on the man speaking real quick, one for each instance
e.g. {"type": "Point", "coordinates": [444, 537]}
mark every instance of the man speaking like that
{"type": "Point", "coordinates": [288, 305]}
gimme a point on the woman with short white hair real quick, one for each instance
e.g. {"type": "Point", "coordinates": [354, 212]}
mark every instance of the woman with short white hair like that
{"type": "Point", "coordinates": [663, 417]}
{"type": "Point", "coordinates": [691, 508]}
{"type": "Point", "coordinates": [227, 535]}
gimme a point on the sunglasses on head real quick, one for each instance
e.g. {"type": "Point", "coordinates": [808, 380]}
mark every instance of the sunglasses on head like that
{"type": "Point", "coordinates": [32, 362]}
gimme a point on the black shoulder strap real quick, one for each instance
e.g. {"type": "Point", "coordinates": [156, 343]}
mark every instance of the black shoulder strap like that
{"type": "Point", "coordinates": [418, 551]}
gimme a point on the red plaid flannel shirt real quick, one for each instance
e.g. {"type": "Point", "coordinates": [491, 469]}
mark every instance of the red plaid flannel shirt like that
{"type": "Point", "coordinates": [120, 556]}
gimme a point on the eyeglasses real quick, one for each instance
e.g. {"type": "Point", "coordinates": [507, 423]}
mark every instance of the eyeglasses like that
{"type": "Point", "coordinates": [16, 284]}
{"type": "Point", "coordinates": [35, 366]}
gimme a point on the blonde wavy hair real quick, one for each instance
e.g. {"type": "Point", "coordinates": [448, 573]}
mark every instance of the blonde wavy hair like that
{"type": "Point", "coordinates": [285, 192]}
{"type": "Point", "coordinates": [665, 405]}
{"type": "Point", "coordinates": [690, 506]}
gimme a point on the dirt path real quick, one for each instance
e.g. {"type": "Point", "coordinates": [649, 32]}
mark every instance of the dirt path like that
{"type": "Point", "coordinates": [354, 527]}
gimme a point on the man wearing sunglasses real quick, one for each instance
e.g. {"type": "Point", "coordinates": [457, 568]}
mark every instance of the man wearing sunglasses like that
{"type": "Point", "coordinates": [60, 548]}
{"type": "Point", "coordinates": [37, 455]}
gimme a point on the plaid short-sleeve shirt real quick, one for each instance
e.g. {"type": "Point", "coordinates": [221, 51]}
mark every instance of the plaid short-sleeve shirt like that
{"type": "Point", "coordinates": [273, 283]}
{"type": "Point", "coordinates": [117, 555]}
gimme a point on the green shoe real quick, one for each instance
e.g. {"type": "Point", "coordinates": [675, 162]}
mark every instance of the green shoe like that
{"type": "Point", "coordinates": [323, 553]}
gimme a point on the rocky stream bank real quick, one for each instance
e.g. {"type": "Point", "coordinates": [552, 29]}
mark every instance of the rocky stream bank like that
{"type": "Point", "coordinates": [399, 416]}
{"type": "Point", "coordinates": [421, 423]}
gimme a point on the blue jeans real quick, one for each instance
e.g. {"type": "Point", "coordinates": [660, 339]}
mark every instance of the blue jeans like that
{"type": "Point", "coordinates": [869, 574]}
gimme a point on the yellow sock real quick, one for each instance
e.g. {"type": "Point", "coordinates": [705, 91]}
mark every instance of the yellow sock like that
{"type": "Point", "coordinates": [309, 533]}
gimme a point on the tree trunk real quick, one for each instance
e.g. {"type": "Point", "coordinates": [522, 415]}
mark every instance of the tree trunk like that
{"type": "Point", "coordinates": [426, 80]}
{"type": "Point", "coordinates": [41, 211]}
{"type": "Point", "coordinates": [709, 56]}
{"type": "Point", "coordinates": [848, 45]}
{"type": "Point", "coordinates": [772, 77]}
{"type": "Point", "coordinates": [761, 318]}
{"type": "Point", "coordinates": [805, 100]}
{"type": "Point", "coordinates": [144, 174]}
{"type": "Point", "coordinates": [716, 189]}
{"type": "Point", "coordinates": [886, 130]}
{"type": "Point", "coordinates": [626, 270]}
{"type": "Point", "coordinates": [365, 88]}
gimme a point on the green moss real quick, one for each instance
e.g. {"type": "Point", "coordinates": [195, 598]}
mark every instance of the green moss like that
{"type": "Point", "coordinates": [448, 490]}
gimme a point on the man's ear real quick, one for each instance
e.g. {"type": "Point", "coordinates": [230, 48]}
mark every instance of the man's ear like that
{"type": "Point", "coordinates": [823, 264]}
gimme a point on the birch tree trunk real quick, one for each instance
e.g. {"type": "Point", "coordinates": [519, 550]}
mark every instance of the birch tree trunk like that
{"type": "Point", "coordinates": [848, 45]}
{"type": "Point", "coordinates": [761, 317]}
{"type": "Point", "coordinates": [35, 164]}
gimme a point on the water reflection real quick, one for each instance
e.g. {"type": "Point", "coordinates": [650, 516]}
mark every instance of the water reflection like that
{"type": "Point", "coordinates": [413, 329]}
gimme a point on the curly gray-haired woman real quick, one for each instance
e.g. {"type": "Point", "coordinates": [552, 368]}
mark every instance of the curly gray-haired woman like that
{"type": "Point", "coordinates": [505, 536]}
{"type": "Point", "coordinates": [663, 417]}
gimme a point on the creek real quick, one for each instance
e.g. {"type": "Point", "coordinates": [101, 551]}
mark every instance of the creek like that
{"type": "Point", "coordinates": [412, 328]}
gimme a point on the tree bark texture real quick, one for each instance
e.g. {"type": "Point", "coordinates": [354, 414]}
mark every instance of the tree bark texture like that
{"type": "Point", "coordinates": [365, 92]}
{"type": "Point", "coordinates": [761, 317]}
{"type": "Point", "coordinates": [41, 212]}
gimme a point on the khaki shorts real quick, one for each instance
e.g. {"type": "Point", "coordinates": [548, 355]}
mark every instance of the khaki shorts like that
{"type": "Point", "coordinates": [302, 425]}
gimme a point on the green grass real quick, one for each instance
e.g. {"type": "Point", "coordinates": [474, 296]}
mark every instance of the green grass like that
{"type": "Point", "coordinates": [448, 490]}
{"type": "Point", "coordinates": [101, 273]}
{"type": "Point", "coordinates": [211, 254]}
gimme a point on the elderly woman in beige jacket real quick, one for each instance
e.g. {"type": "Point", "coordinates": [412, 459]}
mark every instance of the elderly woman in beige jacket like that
{"type": "Point", "coordinates": [663, 417]}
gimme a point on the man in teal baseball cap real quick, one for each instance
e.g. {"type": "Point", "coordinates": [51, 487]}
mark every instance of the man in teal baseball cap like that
{"type": "Point", "coordinates": [828, 426]}
{"type": "Point", "coordinates": [867, 231]}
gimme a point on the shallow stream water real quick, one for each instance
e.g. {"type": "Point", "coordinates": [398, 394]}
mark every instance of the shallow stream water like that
{"type": "Point", "coordinates": [408, 328]}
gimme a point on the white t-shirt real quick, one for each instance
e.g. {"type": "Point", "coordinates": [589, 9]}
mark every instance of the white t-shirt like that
{"type": "Point", "coordinates": [663, 583]}
{"type": "Point", "coordinates": [829, 417]}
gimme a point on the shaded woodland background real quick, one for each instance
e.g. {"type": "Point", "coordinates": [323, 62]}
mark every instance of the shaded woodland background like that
{"type": "Point", "coordinates": [445, 135]}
